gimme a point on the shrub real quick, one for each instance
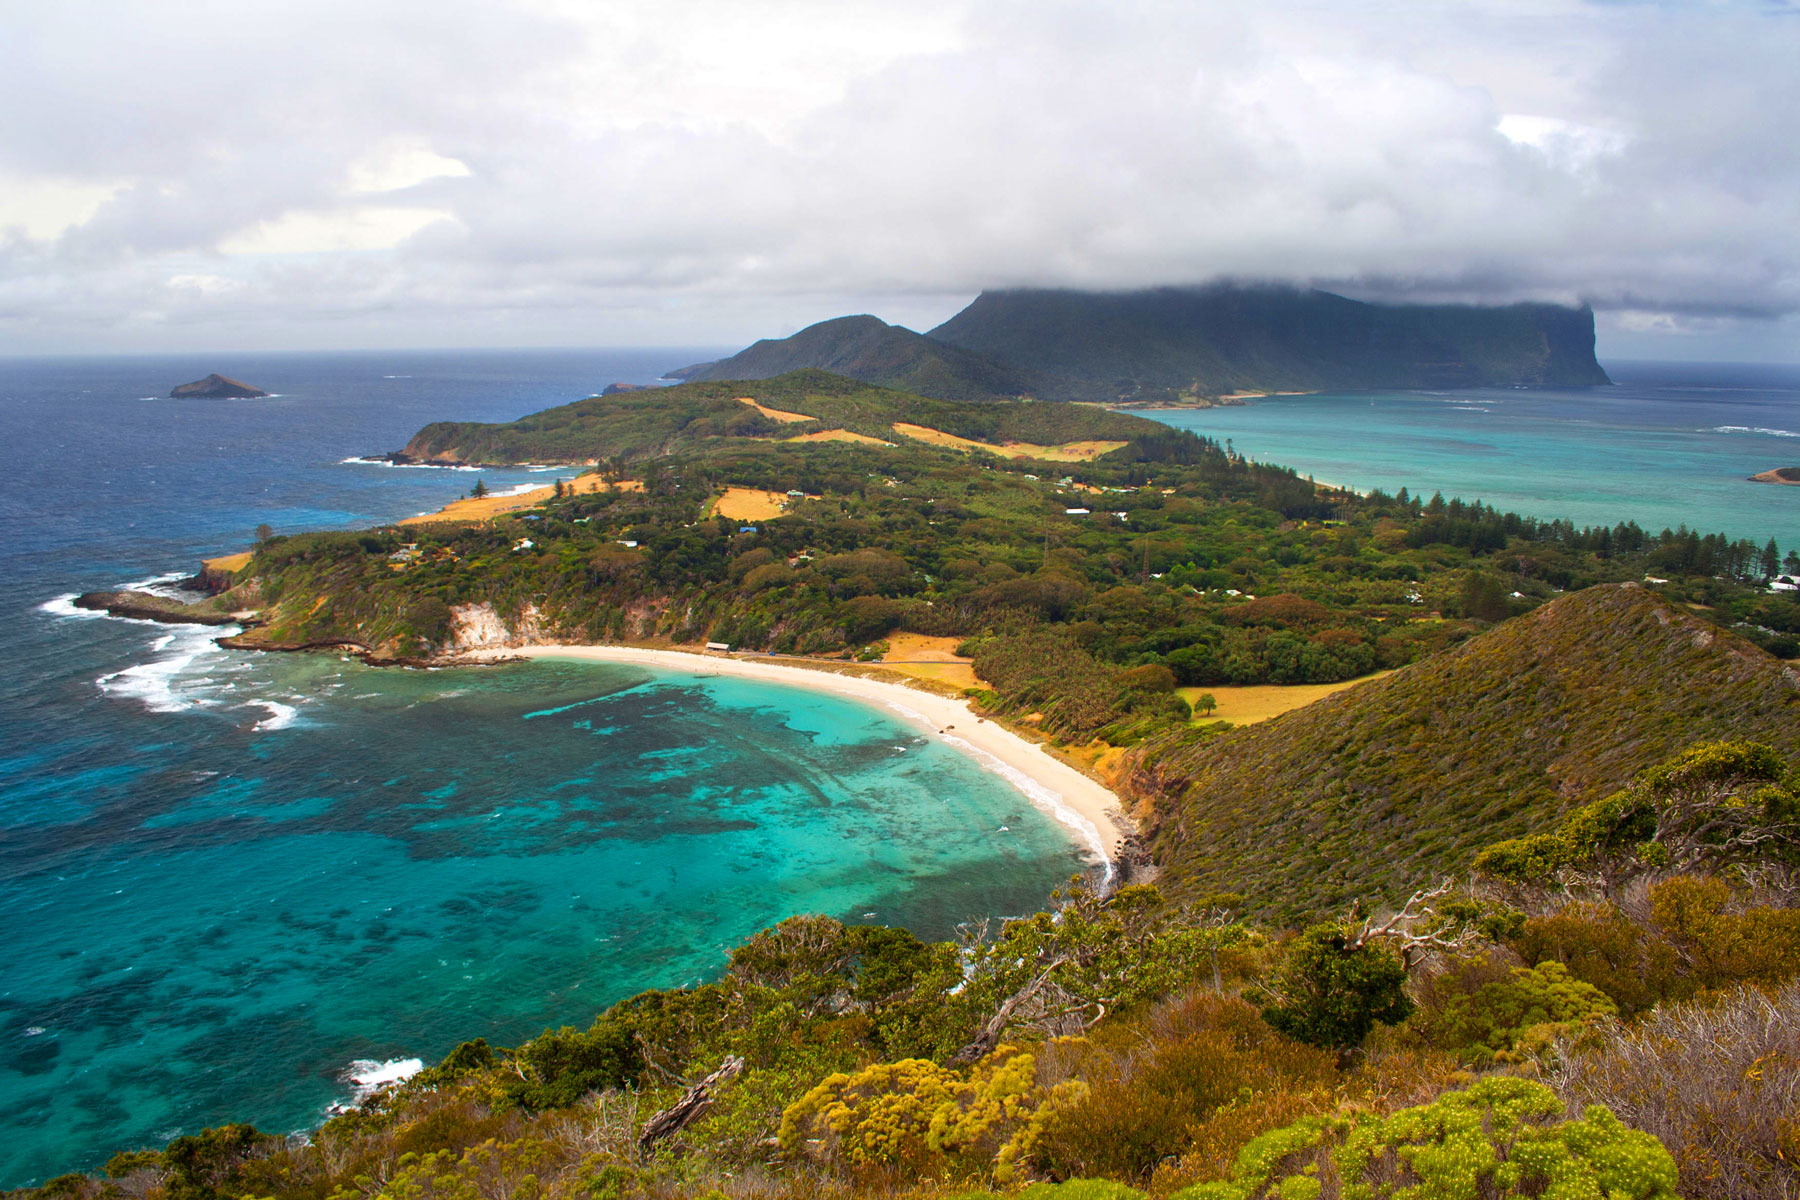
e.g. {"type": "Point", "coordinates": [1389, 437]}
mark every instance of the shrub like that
{"type": "Point", "coordinates": [1140, 1106]}
{"type": "Point", "coordinates": [922, 1118]}
{"type": "Point", "coordinates": [1334, 990]}
{"type": "Point", "coordinates": [1714, 805]}
{"type": "Point", "coordinates": [1759, 945]}
{"type": "Point", "coordinates": [559, 1067]}
{"type": "Point", "coordinates": [1501, 1137]}
{"type": "Point", "coordinates": [1490, 1017]}
{"type": "Point", "coordinates": [1601, 946]}
{"type": "Point", "coordinates": [1719, 1083]}
{"type": "Point", "coordinates": [207, 1164]}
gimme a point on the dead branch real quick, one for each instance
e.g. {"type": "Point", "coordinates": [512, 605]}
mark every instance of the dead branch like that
{"type": "Point", "coordinates": [696, 1100]}
{"type": "Point", "coordinates": [984, 1042]}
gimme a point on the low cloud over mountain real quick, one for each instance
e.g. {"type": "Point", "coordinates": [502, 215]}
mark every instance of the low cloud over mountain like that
{"type": "Point", "coordinates": [329, 173]}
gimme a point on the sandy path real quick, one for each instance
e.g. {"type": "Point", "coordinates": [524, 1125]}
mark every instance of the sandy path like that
{"type": "Point", "coordinates": [1081, 805]}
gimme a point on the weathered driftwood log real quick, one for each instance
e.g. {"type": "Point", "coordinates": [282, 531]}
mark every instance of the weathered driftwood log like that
{"type": "Point", "coordinates": [696, 1100]}
{"type": "Point", "coordinates": [988, 1036]}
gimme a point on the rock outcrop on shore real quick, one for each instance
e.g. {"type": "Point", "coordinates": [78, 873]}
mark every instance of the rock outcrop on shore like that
{"type": "Point", "coordinates": [217, 387]}
{"type": "Point", "coordinates": [147, 606]}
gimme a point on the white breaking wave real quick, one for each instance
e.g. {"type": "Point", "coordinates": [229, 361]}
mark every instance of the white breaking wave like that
{"type": "Point", "coordinates": [280, 715]}
{"type": "Point", "coordinates": [158, 585]}
{"type": "Point", "coordinates": [359, 461]}
{"type": "Point", "coordinates": [1787, 433]}
{"type": "Point", "coordinates": [155, 684]}
{"type": "Point", "coordinates": [367, 1077]}
{"type": "Point", "coordinates": [64, 606]}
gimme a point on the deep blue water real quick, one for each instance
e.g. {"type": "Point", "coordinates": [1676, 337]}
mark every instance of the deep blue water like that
{"type": "Point", "coordinates": [225, 877]}
{"type": "Point", "coordinates": [1670, 444]}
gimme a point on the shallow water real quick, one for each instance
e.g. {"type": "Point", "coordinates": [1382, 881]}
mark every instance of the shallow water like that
{"type": "Point", "coordinates": [229, 877]}
{"type": "Point", "coordinates": [1669, 444]}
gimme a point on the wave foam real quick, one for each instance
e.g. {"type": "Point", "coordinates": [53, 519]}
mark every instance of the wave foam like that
{"type": "Point", "coordinates": [160, 585]}
{"type": "Point", "coordinates": [154, 683]}
{"type": "Point", "coordinates": [280, 715]}
{"type": "Point", "coordinates": [64, 606]}
{"type": "Point", "coordinates": [1766, 432]}
{"type": "Point", "coordinates": [366, 1077]}
{"type": "Point", "coordinates": [357, 460]}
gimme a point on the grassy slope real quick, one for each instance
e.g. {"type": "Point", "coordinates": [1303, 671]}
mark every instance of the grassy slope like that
{"type": "Point", "coordinates": [1389, 784]}
{"type": "Point", "coordinates": [648, 424]}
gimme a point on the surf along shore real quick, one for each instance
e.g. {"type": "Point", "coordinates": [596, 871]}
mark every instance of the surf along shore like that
{"type": "Point", "coordinates": [1086, 808]}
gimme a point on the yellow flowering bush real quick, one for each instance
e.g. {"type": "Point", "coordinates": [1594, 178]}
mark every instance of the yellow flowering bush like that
{"type": "Point", "coordinates": [917, 1115]}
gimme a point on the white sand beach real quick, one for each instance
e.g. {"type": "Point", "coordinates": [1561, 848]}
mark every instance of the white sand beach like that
{"type": "Point", "coordinates": [1086, 808]}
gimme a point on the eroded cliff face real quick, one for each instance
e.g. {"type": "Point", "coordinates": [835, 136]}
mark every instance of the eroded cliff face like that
{"type": "Point", "coordinates": [478, 627]}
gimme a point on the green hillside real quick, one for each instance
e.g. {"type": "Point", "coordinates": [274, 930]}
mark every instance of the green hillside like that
{"type": "Point", "coordinates": [1390, 784]}
{"type": "Point", "coordinates": [694, 417]}
{"type": "Point", "coordinates": [1167, 343]}
{"type": "Point", "coordinates": [869, 349]}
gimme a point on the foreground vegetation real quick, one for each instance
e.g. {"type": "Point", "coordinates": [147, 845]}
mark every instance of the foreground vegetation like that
{"type": "Point", "coordinates": [1607, 1011]}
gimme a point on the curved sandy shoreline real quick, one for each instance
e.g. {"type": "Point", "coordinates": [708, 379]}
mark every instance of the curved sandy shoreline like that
{"type": "Point", "coordinates": [1086, 808]}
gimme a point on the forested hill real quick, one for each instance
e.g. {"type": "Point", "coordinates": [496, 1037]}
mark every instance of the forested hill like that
{"type": "Point", "coordinates": [1388, 785]}
{"type": "Point", "coordinates": [696, 417]}
{"type": "Point", "coordinates": [869, 349]}
{"type": "Point", "coordinates": [1167, 343]}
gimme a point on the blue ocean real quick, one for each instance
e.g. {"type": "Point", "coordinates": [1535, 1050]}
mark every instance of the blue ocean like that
{"type": "Point", "coordinates": [240, 886]}
{"type": "Point", "coordinates": [234, 885]}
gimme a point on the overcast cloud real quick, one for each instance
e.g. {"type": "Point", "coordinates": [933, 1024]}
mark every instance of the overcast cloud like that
{"type": "Point", "coordinates": [335, 173]}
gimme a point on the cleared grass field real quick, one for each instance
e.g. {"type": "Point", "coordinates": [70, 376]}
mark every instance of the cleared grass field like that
{"type": "Point", "coordinates": [470, 510]}
{"type": "Point", "coordinates": [775, 414]}
{"type": "Point", "coordinates": [925, 657]}
{"type": "Point", "coordinates": [1066, 452]}
{"type": "Point", "coordinates": [838, 435]}
{"type": "Point", "coordinates": [749, 504]}
{"type": "Point", "coordinates": [1248, 705]}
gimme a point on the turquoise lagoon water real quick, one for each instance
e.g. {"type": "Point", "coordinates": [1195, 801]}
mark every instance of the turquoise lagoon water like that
{"type": "Point", "coordinates": [226, 879]}
{"type": "Point", "coordinates": [1669, 444]}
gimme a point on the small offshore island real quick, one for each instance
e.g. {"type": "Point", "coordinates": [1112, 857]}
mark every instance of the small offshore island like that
{"type": "Point", "coordinates": [1426, 891]}
{"type": "Point", "coordinates": [217, 387]}
{"type": "Point", "coordinates": [1787, 475]}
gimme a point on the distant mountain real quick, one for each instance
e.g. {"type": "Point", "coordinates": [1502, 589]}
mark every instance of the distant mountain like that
{"type": "Point", "coordinates": [217, 387]}
{"type": "Point", "coordinates": [869, 349]}
{"type": "Point", "coordinates": [1170, 343]}
{"type": "Point", "coordinates": [1400, 780]}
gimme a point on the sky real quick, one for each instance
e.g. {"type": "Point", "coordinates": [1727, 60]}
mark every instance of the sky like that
{"type": "Point", "coordinates": [321, 174]}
